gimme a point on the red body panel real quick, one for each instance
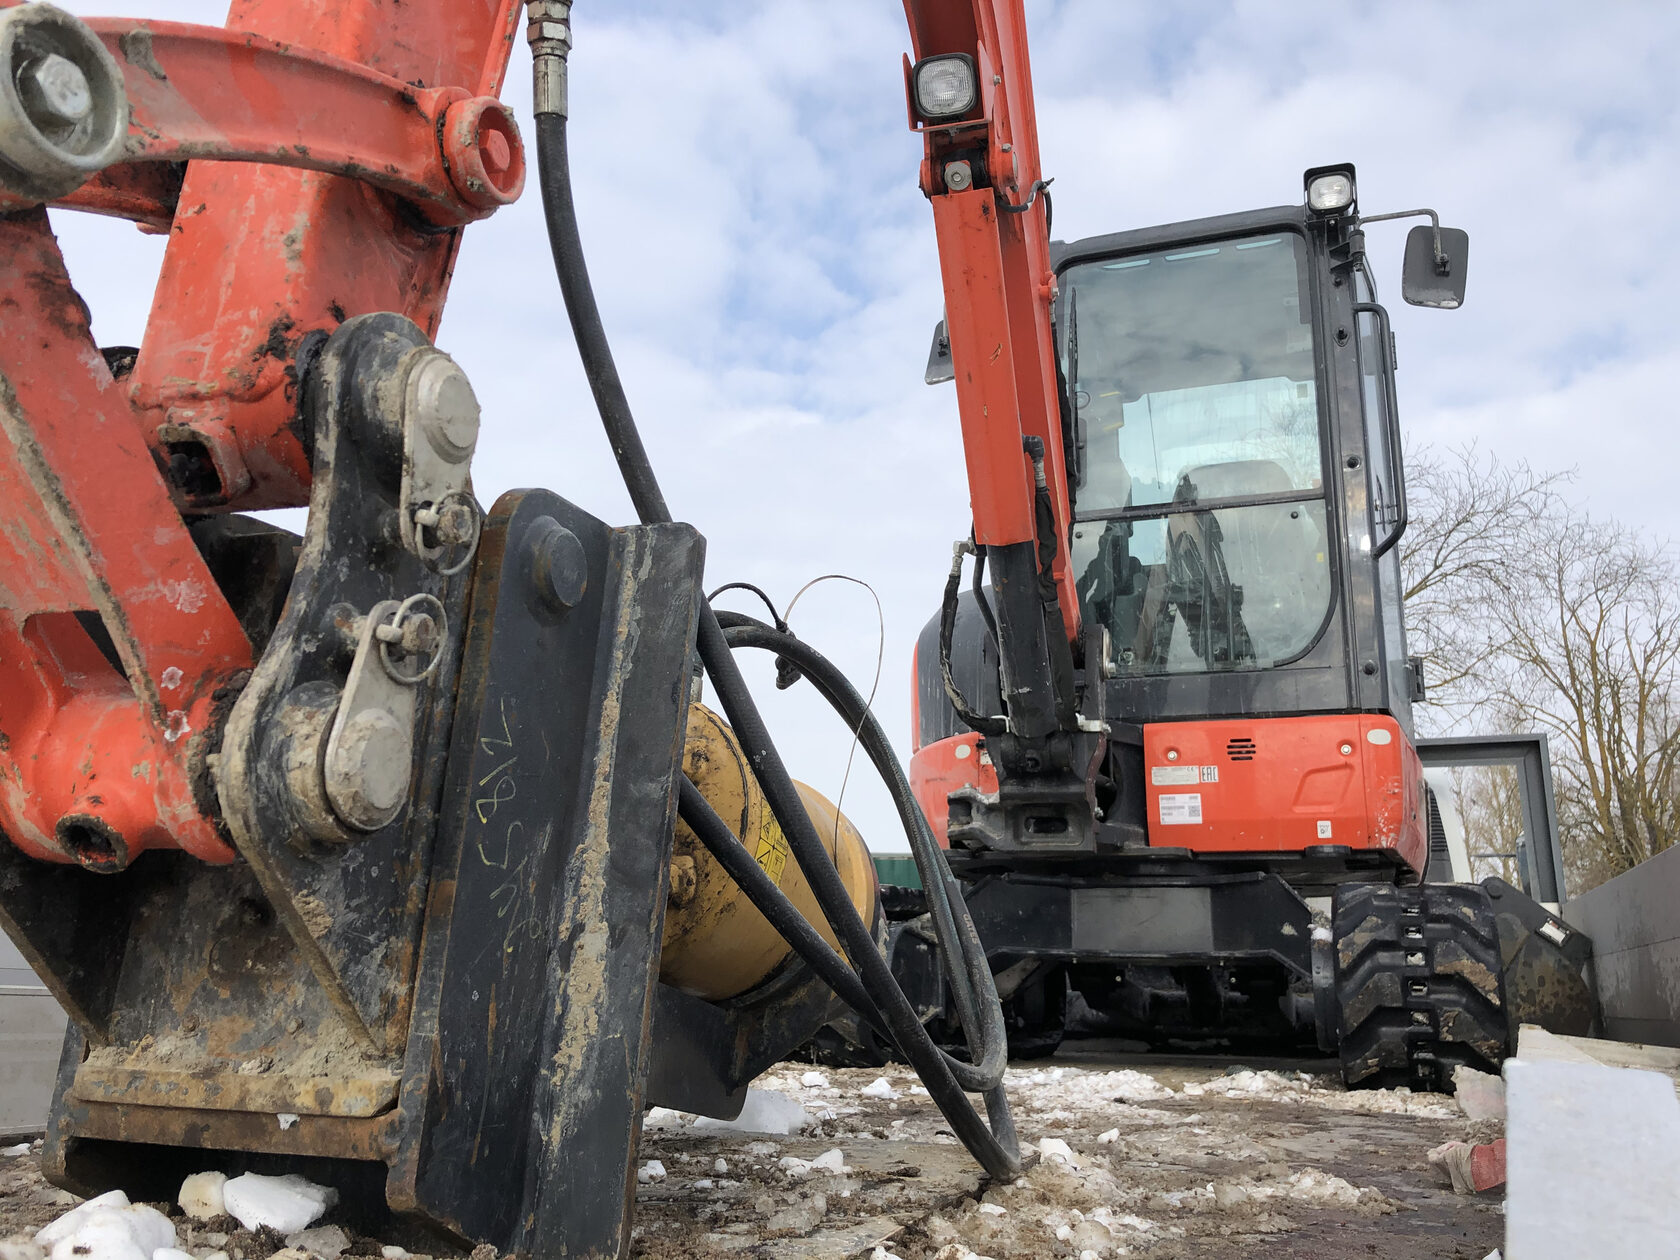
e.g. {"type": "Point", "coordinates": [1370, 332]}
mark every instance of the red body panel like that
{"type": "Point", "coordinates": [941, 768]}
{"type": "Point", "coordinates": [1272, 785]}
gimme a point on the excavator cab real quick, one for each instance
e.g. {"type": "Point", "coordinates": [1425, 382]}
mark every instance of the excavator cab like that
{"type": "Point", "coordinates": [1255, 860]}
{"type": "Point", "coordinates": [1237, 497]}
{"type": "Point", "coordinates": [1236, 510]}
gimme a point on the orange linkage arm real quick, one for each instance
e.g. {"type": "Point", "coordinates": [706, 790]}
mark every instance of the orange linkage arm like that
{"type": "Point", "coordinates": [387, 117]}
{"type": "Point", "coordinates": [998, 282]}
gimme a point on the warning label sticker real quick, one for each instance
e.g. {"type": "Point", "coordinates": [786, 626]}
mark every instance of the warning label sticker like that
{"type": "Point", "coordinates": [771, 853]}
{"type": "Point", "coordinates": [1180, 808]}
{"type": "Point", "coordinates": [1174, 776]}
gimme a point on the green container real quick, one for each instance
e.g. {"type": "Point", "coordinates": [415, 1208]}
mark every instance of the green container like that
{"type": "Point", "coordinates": [897, 868]}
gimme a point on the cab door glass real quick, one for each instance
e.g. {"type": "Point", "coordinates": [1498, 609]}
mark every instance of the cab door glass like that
{"type": "Point", "coordinates": [1200, 542]}
{"type": "Point", "coordinates": [1376, 358]}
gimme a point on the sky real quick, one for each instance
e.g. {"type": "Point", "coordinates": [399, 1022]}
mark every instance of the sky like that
{"type": "Point", "coordinates": [767, 270]}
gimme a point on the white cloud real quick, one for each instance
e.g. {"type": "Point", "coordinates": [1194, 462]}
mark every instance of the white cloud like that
{"type": "Point", "coordinates": [766, 266]}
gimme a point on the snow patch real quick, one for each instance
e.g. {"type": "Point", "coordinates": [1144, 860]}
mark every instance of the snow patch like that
{"type": "Point", "coordinates": [765, 1111]}
{"type": "Point", "coordinates": [201, 1195]}
{"type": "Point", "coordinates": [285, 1204]}
{"type": "Point", "coordinates": [107, 1227]}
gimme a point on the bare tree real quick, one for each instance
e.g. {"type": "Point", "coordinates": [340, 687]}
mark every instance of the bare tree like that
{"type": "Point", "coordinates": [1490, 811]}
{"type": "Point", "coordinates": [1590, 616]}
{"type": "Point", "coordinates": [1534, 615]}
{"type": "Point", "coordinates": [1470, 513]}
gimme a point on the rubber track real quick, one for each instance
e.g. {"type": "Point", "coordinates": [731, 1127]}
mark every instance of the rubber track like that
{"type": "Point", "coordinates": [1417, 984]}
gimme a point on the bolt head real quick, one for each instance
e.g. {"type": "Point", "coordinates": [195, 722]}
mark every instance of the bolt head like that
{"type": "Point", "coordinates": [560, 567]}
{"type": "Point", "coordinates": [444, 407]}
{"type": "Point", "coordinates": [55, 92]}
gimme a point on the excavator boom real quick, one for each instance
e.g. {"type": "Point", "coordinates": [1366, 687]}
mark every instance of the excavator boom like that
{"type": "Point", "coordinates": [970, 97]}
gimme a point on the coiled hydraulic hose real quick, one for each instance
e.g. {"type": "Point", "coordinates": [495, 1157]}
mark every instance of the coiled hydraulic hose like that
{"type": "Point", "coordinates": [985, 1025]}
{"type": "Point", "coordinates": [882, 1001]}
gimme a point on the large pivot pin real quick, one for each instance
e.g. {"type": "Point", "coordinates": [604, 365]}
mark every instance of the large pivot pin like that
{"type": "Point", "coordinates": [63, 107]}
{"type": "Point", "coordinates": [369, 757]}
{"type": "Point", "coordinates": [439, 518]}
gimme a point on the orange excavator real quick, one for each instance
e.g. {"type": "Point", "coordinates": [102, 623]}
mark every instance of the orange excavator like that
{"type": "Point", "coordinates": [1170, 746]}
{"type": "Point", "coordinates": [399, 853]}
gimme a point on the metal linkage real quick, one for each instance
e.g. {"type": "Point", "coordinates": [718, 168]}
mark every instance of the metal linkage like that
{"type": "Point", "coordinates": [122, 649]}
{"type": "Point", "coordinates": [129, 118]}
{"type": "Point", "coordinates": [81, 97]}
{"type": "Point", "coordinates": [116, 639]}
{"type": "Point", "coordinates": [332, 743]}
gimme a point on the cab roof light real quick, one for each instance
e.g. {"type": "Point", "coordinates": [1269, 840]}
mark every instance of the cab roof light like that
{"type": "Point", "coordinates": [1330, 190]}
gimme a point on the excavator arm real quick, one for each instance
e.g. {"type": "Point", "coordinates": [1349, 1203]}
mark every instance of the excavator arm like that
{"type": "Point", "coordinates": [970, 97]}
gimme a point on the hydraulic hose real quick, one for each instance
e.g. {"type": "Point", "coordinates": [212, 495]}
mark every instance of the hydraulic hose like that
{"type": "Point", "coordinates": [984, 1025]}
{"type": "Point", "coordinates": [995, 1148]}
{"type": "Point", "coordinates": [947, 633]}
{"type": "Point", "coordinates": [980, 600]}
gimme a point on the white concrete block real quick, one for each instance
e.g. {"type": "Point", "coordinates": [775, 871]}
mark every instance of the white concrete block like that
{"type": "Point", "coordinates": [1591, 1161]}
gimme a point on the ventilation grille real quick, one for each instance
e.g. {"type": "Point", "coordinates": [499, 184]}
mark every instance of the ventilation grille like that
{"type": "Point", "coordinates": [1240, 749]}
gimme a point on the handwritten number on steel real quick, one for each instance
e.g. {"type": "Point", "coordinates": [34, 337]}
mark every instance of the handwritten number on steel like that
{"type": "Point", "coordinates": [512, 895]}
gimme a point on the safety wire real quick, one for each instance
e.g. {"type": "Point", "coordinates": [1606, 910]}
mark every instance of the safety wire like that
{"type": "Point", "coordinates": [874, 686]}
{"type": "Point", "coordinates": [871, 988]}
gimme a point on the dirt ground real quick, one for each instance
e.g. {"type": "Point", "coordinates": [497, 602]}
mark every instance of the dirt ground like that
{"type": "Point", "coordinates": [1166, 1158]}
{"type": "Point", "coordinates": [1174, 1158]}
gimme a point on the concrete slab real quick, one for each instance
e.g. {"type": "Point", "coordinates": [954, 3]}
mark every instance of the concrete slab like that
{"type": "Point", "coordinates": [1536, 1045]}
{"type": "Point", "coordinates": [1592, 1160]}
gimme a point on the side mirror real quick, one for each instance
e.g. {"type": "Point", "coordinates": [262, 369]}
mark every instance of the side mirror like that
{"type": "Point", "coordinates": [1431, 279]}
{"type": "Point", "coordinates": [939, 366]}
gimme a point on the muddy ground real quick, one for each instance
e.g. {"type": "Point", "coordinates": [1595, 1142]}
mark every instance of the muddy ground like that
{"type": "Point", "coordinates": [1169, 1158]}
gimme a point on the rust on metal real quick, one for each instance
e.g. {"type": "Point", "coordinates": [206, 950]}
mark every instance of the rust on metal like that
{"type": "Point", "coordinates": [346, 1138]}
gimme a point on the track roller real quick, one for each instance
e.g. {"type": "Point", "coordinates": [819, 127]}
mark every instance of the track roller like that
{"type": "Point", "coordinates": [1417, 983]}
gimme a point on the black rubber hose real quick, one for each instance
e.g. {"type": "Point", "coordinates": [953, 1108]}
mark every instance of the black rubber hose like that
{"type": "Point", "coordinates": [965, 712]}
{"type": "Point", "coordinates": [554, 173]}
{"type": "Point", "coordinates": [982, 1022]}
{"type": "Point", "coordinates": [996, 1149]}
{"type": "Point", "coordinates": [773, 904]}
{"type": "Point", "coordinates": [984, 604]}
{"type": "Point", "coordinates": [832, 896]}
{"type": "Point", "coordinates": [762, 891]}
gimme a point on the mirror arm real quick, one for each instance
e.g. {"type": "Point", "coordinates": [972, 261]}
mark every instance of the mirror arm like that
{"type": "Point", "coordinates": [1442, 266]}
